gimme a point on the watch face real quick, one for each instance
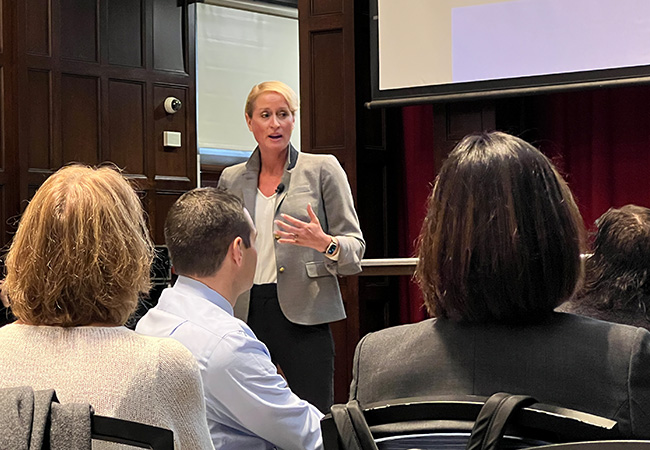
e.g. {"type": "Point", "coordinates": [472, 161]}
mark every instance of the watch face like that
{"type": "Point", "coordinates": [331, 249]}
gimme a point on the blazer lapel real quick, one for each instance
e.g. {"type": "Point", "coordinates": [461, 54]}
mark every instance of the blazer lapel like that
{"type": "Point", "coordinates": [249, 182]}
{"type": "Point", "coordinates": [249, 188]}
{"type": "Point", "coordinates": [292, 159]}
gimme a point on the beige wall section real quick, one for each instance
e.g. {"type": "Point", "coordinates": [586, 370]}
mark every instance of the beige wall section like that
{"type": "Point", "coordinates": [415, 41]}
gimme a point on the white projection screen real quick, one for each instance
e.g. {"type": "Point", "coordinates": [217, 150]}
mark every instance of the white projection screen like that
{"type": "Point", "coordinates": [435, 50]}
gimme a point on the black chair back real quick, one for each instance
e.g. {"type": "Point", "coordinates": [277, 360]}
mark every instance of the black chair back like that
{"type": "Point", "coordinates": [446, 422]}
{"type": "Point", "coordinates": [598, 445]}
{"type": "Point", "coordinates": [131, 433]}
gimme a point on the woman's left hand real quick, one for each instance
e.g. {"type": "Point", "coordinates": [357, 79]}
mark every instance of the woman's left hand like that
{"type": "Point", "coordinates": [306, 234]}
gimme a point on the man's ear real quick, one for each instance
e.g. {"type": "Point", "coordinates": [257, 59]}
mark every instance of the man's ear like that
{"type": "Point", "coordinates": [236, 249]}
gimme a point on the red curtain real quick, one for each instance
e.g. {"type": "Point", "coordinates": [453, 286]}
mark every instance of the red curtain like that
{"type": "Point", "coordinates": [418, 175]}
{"type": "Point", "coordinates": [600, 141]}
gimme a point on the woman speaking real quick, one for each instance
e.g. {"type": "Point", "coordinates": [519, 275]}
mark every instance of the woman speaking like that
{"type": "Point", "coordinates": [308, 234]}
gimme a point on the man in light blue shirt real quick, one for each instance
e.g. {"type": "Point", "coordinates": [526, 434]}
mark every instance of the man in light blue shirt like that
{"type": "Point", "coordinates": [211, 240]}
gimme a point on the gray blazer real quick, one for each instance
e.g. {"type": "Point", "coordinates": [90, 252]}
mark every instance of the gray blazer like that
{"type": "Point", "coordinates": [308, 289]}
{"type": "Point", "coordinates": [570, 361]}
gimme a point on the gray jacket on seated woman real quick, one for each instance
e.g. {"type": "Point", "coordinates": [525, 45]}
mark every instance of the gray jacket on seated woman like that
{"type": "Point", "coordinates": [499, 250]}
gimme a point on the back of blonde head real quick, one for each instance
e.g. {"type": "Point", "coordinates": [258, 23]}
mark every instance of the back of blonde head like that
{"type": "Point", "coordinates": [82, 252]}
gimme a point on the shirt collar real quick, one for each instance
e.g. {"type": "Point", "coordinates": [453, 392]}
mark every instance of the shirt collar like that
{"type": "Point", "coordinates": [254, 162]}
{"type": "Point", "coordinates": [190, 286]}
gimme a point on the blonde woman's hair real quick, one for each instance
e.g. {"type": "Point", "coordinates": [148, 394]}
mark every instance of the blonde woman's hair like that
{"type": "Point", "coordinates": [272, 86]}
{"type": "Point", "coordinates": [82, 252]}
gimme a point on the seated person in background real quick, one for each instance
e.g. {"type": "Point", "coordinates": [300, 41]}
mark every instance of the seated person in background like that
{"type": "Point", "coordinates": [211, 241]}
{"type": "Point", "coordinates": [77, 263]}
{"type": "Point", "coordinates": [617, 281]}
{"type": "Point", "coordinates": [498, 251]}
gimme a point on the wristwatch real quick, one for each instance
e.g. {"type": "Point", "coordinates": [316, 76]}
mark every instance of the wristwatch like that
{"type": "Point", "coordinates": [331, 249]}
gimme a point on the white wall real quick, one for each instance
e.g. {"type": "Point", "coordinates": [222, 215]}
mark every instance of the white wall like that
{"type": "Point", "coordinates": [237, 49]}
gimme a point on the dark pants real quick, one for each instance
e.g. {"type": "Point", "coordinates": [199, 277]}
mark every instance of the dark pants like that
{"type": "Point", "coordinates": [305, 353]}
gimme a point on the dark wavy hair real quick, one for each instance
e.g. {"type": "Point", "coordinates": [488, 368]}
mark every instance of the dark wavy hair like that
{"type": "Point", "coordinates": [617, 273]}
{"type": "Point", "coordinates": [502, 238]}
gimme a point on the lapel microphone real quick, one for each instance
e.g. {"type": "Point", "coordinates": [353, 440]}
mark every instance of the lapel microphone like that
{"type": "Point", "coordinates": [280, 188]}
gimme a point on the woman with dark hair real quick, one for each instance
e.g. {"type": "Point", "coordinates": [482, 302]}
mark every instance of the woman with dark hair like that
{"type": "Point", "coordinates": [617, 280]}
{"type": "Point", "coordinates": [498, 251]}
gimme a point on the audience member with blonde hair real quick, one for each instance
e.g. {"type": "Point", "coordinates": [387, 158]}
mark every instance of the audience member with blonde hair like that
{"type": "Point", "coordinates": [79, 260]}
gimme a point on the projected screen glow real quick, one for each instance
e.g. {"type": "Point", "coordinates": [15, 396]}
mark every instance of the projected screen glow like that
{"type": "Point", "coordinates": [443, 42]}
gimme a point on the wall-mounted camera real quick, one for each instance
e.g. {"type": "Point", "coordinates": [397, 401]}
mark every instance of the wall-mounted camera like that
{"type": "Point", "coordinates": [172, 105]}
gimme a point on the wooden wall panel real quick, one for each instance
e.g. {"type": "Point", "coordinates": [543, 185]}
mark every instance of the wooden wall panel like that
{"type": "Point", "coordinates": [327, 106]}
{"type": "Point", "coordinates": [79, 30]}
{"type": "Point", "coordinates": [8, 123]}
{"type": "Point", "coordinates": [467, 117]}
{"type": "Point", "coordinates": [171, 162]}
{"type": "Point", "coordinates": [379, 155]}
{"type": "Point", "coordinates": [210, 174]}
{"type": "Point", "coordinates": [3, 31]}
{"type": "Point", "coordinates": [80, 119]}
{"type": "Point", "coordinates": [32, 188]}
{"type": "Point", "coordinates": [39, 106]}
{"type": "Point", "coordinates": [5, 101]}
{"type": "Point", "coordinates": [328, 124]}
{"type": "Point", "coordinates": [38, 26]}
{"type": "Point", "coordinates": [164, 201]}
{"type": "Point", "coordinates": [167, 37]}
{"type": "Point", "coordinates": [4, 225]}
{"type": "Point", "coordinates": [2, 37]}
{"type": "Point", "coordinates": [319, 7]}
{"type": "Point", "coordinates": [126, 115]}
{"type": "Point", "coordinates": [453, 121]}
{"type": "Point", "coordinates": [379, 184]}
{"type": "Point", "coordinates": [84, 78]}
{"type": "Point", "coordinates": [125, 23]}
{"type": "Point", "coordinates": [3, 122]}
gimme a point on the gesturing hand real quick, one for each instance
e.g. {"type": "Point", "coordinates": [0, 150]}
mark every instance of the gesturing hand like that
{"type": "Point", "coordinates": [306, 234]}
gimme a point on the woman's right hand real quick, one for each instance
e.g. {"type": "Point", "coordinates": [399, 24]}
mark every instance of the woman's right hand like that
{"type": "Point", "coordinates": [306, 234]}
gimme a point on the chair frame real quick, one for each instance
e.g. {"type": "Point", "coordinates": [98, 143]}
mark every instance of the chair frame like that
{"type": "Point", "coordinates": [457, 413]}
{"type": "Point", "coordinates": [598, 445]}
{"type": "Point", "coordinates": [131, 433]}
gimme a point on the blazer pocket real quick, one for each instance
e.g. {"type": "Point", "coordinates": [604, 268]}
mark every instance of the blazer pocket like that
{"type": "Point", "coordinates": [317, 269]}
{"type": "Point", "coordinates": [301, 189]}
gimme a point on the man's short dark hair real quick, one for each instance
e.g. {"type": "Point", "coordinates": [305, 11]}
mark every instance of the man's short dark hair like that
{"type": "Point", "coordinates": [618, 272]}
{"type": "Point", "coordinates": [199, 228]}
{"type": "Point", "coordinates": [502, 238]}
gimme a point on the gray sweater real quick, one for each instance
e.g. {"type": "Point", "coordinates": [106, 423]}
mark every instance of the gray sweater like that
{"type": "Point", "coordinates": [122, 374]}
